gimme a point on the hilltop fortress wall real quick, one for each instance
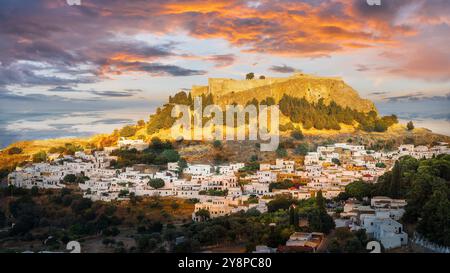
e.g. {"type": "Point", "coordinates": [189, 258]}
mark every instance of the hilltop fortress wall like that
{"type": "Point", "coordinates": [310, 87]}
{"type": "Point", "coordinates": [223, 86]}
{"type": "Point", "coordinates": [220, 87]}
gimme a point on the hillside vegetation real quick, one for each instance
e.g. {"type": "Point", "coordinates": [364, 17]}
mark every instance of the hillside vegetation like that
{"type": "Point", "coordinates": [48, 219]}
{"type": "Point", "coordinates": [308, 115]}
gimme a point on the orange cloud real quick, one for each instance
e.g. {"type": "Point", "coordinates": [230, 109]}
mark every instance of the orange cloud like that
{"type": "Point", "coordinates": [56, 34]}
{"type": "Point", "coordinates": [283, 27]}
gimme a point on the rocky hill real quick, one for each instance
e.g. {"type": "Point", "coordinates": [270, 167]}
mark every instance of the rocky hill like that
{"type": "Point", "coordinates": [324, 109]}
{"type": "Point", "coordinates": [312, 88]}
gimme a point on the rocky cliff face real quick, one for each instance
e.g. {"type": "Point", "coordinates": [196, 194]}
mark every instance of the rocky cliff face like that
{"type": "Point", "coordinates": [312, 88]}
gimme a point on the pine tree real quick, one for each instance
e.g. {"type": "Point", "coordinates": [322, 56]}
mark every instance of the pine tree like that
{"type": "Point", "coordinates": [436, 217]}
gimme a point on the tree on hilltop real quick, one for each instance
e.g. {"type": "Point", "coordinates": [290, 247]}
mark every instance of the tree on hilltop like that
{"type": "Point", "coordinates": [40, 157]}
{"type": "Point", "coordinates": [128, 131]}
{"type": "Point", "coordinates": [15, 151]}
{"type": "Point", "coordinates": [410, 126]}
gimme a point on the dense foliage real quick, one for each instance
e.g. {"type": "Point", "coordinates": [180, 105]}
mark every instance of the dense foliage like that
{"type": "Point", "coordinates": [4, 173]}
{"type": "Point", "coordinates": [313, 210]}
{"type": "Point", "coordinates": [297, 134]}
{"type": "Point", "coordinates": [212, 192]}
{"type": "Point", "coordinates": [15, 151]}
{"type": "Point", "coordinates": [346, 241]}
{"type": "Point", "coordinates": [158, 153]}
{"type": "Point", "coordinates": [67, 149]}
{"type": "Point", "coordinates": [286, 184]}
{"type": "Point", "coordinates": [426, 186]}
{"type": "Point", "coordinates": [281, 152]}
{"type": "Point", "coordinates": [128, 131]}
{"type": "Point", "coordinates": [249, 229]}
{"type": "Point", "coordinates": [321, 116]}
{"type": "Point", "coordinates": [299, 110]}
{"type": "Point", "coordinates": [163, 119]}
{"type": "Point", "coordinates": [302, 149]}
{"type": "Point", "coordinates": [40, 157]}
{"type": "Point", "coordinates": [156, 183]}
{"type": "Point", "coordinates": [70, 212]}
{"type": "Point", "coordinates": [75, 179]}
{"type": "Point", "coordinates": [252, 228]}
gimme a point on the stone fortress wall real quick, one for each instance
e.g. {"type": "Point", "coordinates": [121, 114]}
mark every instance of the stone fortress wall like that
{"type": "Point", "coordinates": [223, 86]}
{"type": "Point", "coordinates": [312, 88]}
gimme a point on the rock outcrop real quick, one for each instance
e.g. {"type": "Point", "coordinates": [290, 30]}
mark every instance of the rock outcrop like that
{"type": "Point", "coordinates": [312, 88]}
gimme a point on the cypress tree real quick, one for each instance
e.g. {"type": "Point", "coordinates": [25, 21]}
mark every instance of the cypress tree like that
{"type": "Point", "coordinates": [395, 181]}
{"type": "Point", "coordinates": [320, 201]}
{"type": "Point", "coordinates": [292, 216]}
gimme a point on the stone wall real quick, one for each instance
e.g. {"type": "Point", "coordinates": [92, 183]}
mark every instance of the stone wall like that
{"type": "Point", "coordinates": [220, 87]}
{"type": "Point", "coordinates": [423, 242]}
{"type": "Point", "coordinates": [312, 88]}
{"type": "Point", "coordinates": [198, 90]}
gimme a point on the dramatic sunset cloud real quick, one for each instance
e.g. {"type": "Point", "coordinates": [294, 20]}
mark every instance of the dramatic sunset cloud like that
{"type": "Point", "coordinates": [108, 55]}
{"type": "Point", "coordinates": [48, 43]}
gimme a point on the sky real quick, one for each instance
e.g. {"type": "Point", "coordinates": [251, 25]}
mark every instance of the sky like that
{"type": "Point", "coordinates": [79, 70]}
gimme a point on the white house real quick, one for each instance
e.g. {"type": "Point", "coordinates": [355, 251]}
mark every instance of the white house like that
{"type": "Point", "coordinates": [388, 231]}
{"type": "Point", "coordinates": [198, 169]}
{"type": "Point", "coordinates": [137, 144]}
{"type": "Point", "coordinates": [266, 176]}
{"type": "Point", "coordinates": [406, 149]}
{"type": "Point", "coordinates": [312, 158]}
{"type": "Point", "coordinates": [256, 188]}
{"type": "Point", "coordinates": [386, 202]}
